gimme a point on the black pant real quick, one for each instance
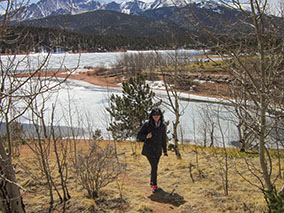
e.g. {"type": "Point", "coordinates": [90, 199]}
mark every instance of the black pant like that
{"type": "Point", "coordinates": [154, 168]}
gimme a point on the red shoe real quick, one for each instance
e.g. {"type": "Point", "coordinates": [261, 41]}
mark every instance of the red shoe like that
{"type": "Point", "coordinates": [154, 188]}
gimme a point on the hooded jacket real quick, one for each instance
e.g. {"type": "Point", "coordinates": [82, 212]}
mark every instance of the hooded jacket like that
{"type": "Point", "coordinates": [154, 146]}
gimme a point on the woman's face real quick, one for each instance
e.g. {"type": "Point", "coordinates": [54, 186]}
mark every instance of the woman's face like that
{"type": "Point", "coordinates": [156, 117]}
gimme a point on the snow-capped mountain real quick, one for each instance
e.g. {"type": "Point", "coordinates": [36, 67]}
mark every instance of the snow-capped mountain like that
{"type": "Point", "coordinates": [46, 8]}
{"type": "Point", "coordinates": [126, 18]}
{"type": "Point", "coordinates": [134, 7]}
{"type": "Point", "coordinates": [132, 18]}
{"type": "Point", "coordinates": [168, 3]}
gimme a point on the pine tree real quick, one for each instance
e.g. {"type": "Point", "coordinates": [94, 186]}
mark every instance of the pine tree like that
{"type": "Point", "coordinates": [129, 111]}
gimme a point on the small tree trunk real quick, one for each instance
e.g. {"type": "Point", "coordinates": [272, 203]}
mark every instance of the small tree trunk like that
{"type": "Point", "coordinates": [262, 158]}
{"type": "Point", "coordinates": [177, 152]}
{"type": "Point", "coordinates": [212, 137]}
{"type": "Point", "coordinates": [242, 145]}
{"type": "Point", "coordinates": [10, 192]}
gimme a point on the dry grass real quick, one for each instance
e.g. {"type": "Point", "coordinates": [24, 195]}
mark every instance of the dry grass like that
{"type": "Point", "coordinates": [178, 192]}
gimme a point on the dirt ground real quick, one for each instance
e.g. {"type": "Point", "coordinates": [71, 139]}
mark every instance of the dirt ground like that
{"type": "Point", "coordinates": [201, 83]}
{"type": "Point", "coordinates": [92, 77]}
{"type": "Point", "coordinates": [204, 88]}
{"type": "Point", "coordinates": [199, 189]}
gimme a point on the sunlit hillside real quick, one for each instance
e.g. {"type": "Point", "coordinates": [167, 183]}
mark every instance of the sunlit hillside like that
{"type": "Point", "coordinates": [196, 183]}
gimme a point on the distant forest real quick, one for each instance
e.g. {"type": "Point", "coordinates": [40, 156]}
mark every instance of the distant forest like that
{"type": "Point", "coordinates": [22, 39]}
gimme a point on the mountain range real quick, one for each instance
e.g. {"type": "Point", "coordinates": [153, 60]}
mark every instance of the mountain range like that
{"type": "Point", "coordinates": [45, 8]}
{"type": "Point", "coordinates": [134, 18]}
{"type": "Point", "coordinates": [91, 25]}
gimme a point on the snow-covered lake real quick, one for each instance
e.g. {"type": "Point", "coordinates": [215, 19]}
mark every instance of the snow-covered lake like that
{"type": "Point", "coordinates": [71, 61]}
{"type": "Point", "coordinates": [87, 102]}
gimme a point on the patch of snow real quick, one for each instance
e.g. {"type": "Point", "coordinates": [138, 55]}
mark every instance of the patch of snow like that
{"type": "Point", "coordinates": [199, 81]}
{"type": "Point", "coordinates": [156, 84]}
{"type": "Point", "coordinates": [126, 11]}
{"type": "Point", "coordinates": [218, 11]}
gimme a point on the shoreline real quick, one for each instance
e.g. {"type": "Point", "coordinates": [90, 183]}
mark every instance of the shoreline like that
{"type": "Point", "coordinates": [79, 52]}
{"type": "Point", "coordinates": [90, 75]}
{"type": "Point", "coordinates": [104, 81]}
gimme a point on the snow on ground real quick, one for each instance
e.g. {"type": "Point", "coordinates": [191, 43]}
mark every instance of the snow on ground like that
{"type": "Point", "coordinates": [81, 60]}
{"type": "Point", "coordinates": [88, 102]}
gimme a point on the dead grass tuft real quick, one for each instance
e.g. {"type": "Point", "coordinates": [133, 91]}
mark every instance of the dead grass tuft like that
{"type": "Point", "coordinates": [145, 207]}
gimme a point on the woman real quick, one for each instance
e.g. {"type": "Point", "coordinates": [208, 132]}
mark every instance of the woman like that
{"type": "Point", "coordinates": [153, 134]}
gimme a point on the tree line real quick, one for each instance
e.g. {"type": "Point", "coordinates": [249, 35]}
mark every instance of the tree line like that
{"type": "Point", "coordinates": [22, 39]}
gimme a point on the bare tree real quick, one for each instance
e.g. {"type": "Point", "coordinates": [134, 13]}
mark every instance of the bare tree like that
{"type": "Point", "coordinates": [133, 64]}
{"type": "Point", "coordinates": [222, 158]}
{"type": "Point", "coordinates": [41, 146]}
{"type": "Point", "coordinates": [60, 148]}
{"type": "Point", "coordinates": [10, 191]}
{"type": "Point", "coordinates": [252, 48]}
{"type": "Point", "coordinates": [16, 96]}
{"type": "Point", "coordinates": [172, 77]}
{"type": "Point", "coordinates": [97, 168]}
{"type": "Point", "coordinates": [208, 125]}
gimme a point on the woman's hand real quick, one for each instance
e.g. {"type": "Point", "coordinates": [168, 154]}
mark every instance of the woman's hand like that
{"type": "Point", "coordinates": [149, 135]}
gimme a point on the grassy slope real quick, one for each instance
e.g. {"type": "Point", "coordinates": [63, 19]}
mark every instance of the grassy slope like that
{"type": "Point", "coordinates": [178, 191]}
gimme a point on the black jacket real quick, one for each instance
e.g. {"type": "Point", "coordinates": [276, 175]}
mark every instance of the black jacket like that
{"type": "Point", "coordinates": [153, 146]}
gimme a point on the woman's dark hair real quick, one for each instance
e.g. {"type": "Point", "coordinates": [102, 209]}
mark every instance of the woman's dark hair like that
{"type": "Point", "coordinates": [156, 111]}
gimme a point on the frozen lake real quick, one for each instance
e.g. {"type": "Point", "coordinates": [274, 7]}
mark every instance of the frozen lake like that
{"type": "Point", "coordinates": [86, 103]}
{"type": "Point", "coordinates": [86, 106]}
{"type": "Point", "coordinates": [71, 61]}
